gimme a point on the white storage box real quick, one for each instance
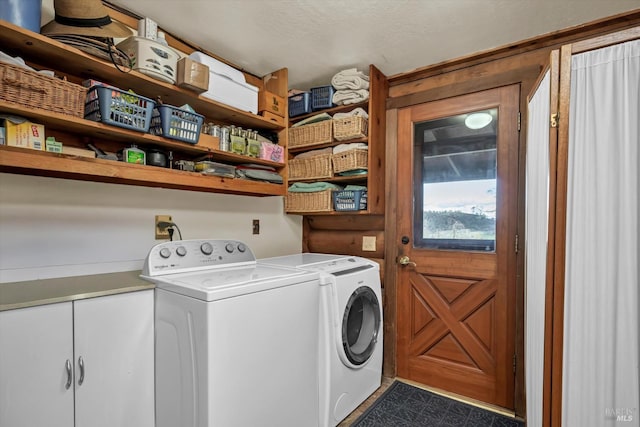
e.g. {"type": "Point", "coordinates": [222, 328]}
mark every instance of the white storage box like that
{"type": "Point", "coordinates": [151, 58]}
{"type": "Point", "coordinates": [228, 85]}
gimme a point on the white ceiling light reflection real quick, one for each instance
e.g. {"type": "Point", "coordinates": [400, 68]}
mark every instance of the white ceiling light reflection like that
{"type": "Point", "coordinates": [478, 120]}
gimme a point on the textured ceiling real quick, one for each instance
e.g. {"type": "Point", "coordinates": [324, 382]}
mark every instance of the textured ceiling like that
{"type": "Point", "coordinates": [315, 39]}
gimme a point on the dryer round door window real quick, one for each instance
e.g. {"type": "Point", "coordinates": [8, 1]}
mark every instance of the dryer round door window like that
{"type": "Point", "coordinates": [360, 325]}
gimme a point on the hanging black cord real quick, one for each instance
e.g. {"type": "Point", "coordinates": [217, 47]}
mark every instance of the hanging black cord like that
{"type": "Point", "coordinates": [113, 48]}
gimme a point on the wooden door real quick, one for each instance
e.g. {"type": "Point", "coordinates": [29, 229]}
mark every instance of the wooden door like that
{"type": "Point", "coordinates": [456, 226]}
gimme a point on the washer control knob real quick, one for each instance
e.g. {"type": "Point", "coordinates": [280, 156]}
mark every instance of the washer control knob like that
{"type": "Point", "coordinates": [241, 247]}
{"type": "Point", "coordinates": [181, 251]}
{"type": "Point", "coordinates": [165, 253]}
{"type": "Point", "coordinates": [229, 247]}
{"type": "Point", "coordinates": [206, 248]}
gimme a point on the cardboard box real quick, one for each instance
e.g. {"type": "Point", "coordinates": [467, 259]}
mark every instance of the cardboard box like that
{"type": "Point", "coordinates": [193, 75]}
{"type": "Point", "coordinates": [53, 146]}
{"type": "Point", "coordinates": [228, 85]}
{"type": "Point", "coordinates": [209, 141]}
{"type": "Point", "coordinates": [273, 117]}
{"type": "Point", "coordinates": [272, 103]}
{"type": "Point", "coordinates": [25, 135]}
{"type": "Point", "coordinates": [79, 152]}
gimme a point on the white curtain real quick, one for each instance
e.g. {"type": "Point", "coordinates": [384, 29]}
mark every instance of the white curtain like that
{"type": "Point", "coordinates": [600, 363]}
{"type": "Point", "coordinates": [536, 229]}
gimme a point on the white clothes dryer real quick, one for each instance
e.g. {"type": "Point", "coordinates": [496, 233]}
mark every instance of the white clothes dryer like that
{"type": "Point", "coordinates": [350, 329]}
{"type": "Point", "coordinates": [236, 341]}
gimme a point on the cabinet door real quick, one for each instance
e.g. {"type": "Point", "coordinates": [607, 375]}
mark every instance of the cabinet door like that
{"type": "Point", "coordinates": [113, 340]}
{"type": "Point", "coordinates": [36, 388]}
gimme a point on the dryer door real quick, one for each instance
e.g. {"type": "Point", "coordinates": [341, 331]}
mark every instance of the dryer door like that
{"type": "Point", "coordinates": [360, 325]}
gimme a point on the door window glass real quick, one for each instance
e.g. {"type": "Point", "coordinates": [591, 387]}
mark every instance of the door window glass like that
{"type": "Point", "coordinates": [455, 190]}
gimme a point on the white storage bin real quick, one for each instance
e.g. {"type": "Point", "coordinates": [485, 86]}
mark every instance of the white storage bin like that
{"type": "Point", "coordinates": [228, 85]}
{"type": "Point", "coordinates": [151, 58]}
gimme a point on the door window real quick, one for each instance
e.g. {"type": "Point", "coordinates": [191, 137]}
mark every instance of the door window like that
{"type": "Point", "coordinates": [455, 182]}
{"type": "Point", "coordinates": [360, 325]}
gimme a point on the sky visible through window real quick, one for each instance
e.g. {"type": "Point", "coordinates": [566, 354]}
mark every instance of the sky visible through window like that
{"type": "Point", "coordinates": [460, 209]}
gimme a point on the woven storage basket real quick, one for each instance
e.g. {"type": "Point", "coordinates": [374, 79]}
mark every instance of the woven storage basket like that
{"type": "Point", "coordinates": [315, 133]}
{"type": "Point", "coordinates": [350, 160]}
{"type": "Point", "coordinates": [311, 167]}
{"type": "Point", "coordinates": [350, 128]}
{"type": "Point", "coordinates": [319, 201]}
{"type": "Point", "coordinates": [35, 90]}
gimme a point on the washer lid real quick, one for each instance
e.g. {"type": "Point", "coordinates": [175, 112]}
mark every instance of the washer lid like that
{"type": "Point", "coordinates": [332, 264]}
{"type": "Point", "coordinates": [220, 283]}
{"type": "Point", "coordinates": [302, 260]}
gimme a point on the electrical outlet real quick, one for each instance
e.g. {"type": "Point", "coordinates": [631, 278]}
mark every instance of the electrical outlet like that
{"type": "Point", "coordinates": [162, 234]}
{"type": "Point", "coordinates": [369, 243]}
{"type": "Point", "coordinates": [256, 226]}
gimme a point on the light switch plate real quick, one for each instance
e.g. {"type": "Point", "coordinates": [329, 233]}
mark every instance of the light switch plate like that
{"type": "Point", "coordinates": [369, 243]}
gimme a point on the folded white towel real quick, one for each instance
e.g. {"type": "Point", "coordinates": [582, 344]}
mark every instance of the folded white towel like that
{"type": "Point", "coordinates": [350, 79]}
{"type": "Point", "coordinates": [355, 112]}
{"type": "Point", "coordinates": [346, 97]}
{"type": "Point", "coordinates": [346, 147]}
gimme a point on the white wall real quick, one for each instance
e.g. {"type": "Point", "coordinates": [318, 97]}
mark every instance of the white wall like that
{"type": "Point", "coordinates": [57, 228]}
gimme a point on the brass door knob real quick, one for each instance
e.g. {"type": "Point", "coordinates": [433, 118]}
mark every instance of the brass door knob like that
{"type": "Point", "coordinates": [405, 260]}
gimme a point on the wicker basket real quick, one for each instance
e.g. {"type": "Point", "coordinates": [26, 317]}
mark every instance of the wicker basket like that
{"type": "Point", "coordinates": [350, 160]}
{"type": "Point", "coordinates": [315, 133]}
{"type": "Point", "coordinates": [311, 167]}
{"type": "Point", "coordinates": [319, 201]}
{"type": "Point", "coordinates": [350, 128]}
{"type": "Point", "coordinates": [35, 90]}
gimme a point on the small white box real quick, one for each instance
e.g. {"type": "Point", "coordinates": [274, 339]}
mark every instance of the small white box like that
{"type": "Point", "coordinates": [228, 85]}
{"type": "Point", "coordinates": [151, 58]}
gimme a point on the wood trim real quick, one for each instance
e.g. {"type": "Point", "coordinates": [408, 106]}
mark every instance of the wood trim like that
{"type": "Point", "coordinates": [606, 40]}
{"type": "Point", "coordinates": [554, 69]}
{"type": "Point", "coordinates": [550, 40]}
{"type": "Point", "coordinates": [491, 78]}
{"type": "Point", "coordinates": [389, 367]}
{"type": "Point", "coordinates": [559, 236]}
{"type": "Point", "coordinates": [377, 127]}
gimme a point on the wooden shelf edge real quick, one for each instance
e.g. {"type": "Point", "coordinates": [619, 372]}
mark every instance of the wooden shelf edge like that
{"type": "Point", "coordinates": [340, 213]}
{"type": "Point", "coordinates": [332, 110]}
{"type": "Point", "coordinates": [32, 162]}
{"type": "Point", "coordinates": [304, 148]}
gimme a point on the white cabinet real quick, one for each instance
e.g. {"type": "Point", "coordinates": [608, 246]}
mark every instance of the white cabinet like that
{"type": "Point", "coordinates": [36, 344]}
{"type": "Point", "coordinates": [108, 344]}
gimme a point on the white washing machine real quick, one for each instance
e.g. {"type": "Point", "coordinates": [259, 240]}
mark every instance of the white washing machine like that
{"type": "Point", "coordinates": [350, 329]}
{"type": "Point", "coordinates": [236, 342]}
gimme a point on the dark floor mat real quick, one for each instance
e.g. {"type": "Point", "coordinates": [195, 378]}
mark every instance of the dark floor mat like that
{"type": "Point", "coordinates": [402, 405]}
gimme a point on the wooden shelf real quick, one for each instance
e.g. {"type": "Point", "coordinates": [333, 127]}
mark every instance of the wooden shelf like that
{"type": "Point", "coordinates": [332, 110]}
{"type": "Point", "coordinates": [326, 145]}
{"type": "Point", "coordinates": [374, 179]}
{"type": "Point", "coordinates": [76, 66]}
{"type": "Point", "coordinates": [88, 128]}
{"type": "Point", "coordinates": [33, 162]}
{"type": "Point", "coordinates": [336, 179]}
{"type": "Point", "coordinates": [51, 53]}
